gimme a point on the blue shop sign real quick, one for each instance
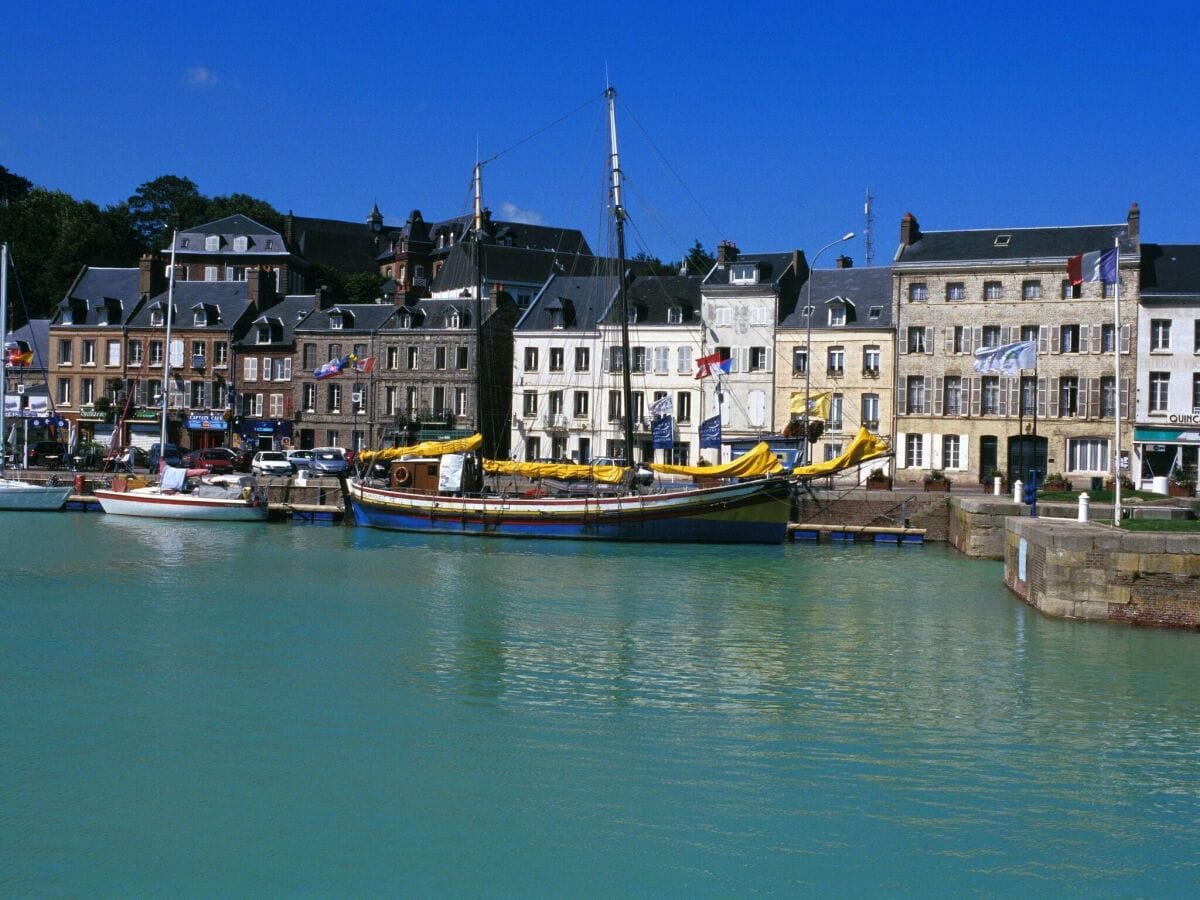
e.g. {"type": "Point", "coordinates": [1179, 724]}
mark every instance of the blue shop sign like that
{"type": "Point", "coordinates": [205, 423]}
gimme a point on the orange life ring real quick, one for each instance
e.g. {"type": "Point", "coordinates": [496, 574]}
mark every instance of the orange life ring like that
{"type": "Point", "coordinates": [401, 477]}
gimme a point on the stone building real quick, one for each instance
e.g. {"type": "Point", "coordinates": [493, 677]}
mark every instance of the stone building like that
{"type": "Point", "coordinates": [958, 291]}
{"type": "Point", "coordinates": [852, 356]}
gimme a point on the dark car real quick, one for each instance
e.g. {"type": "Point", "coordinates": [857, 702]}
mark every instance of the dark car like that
{"type": "Point", "coordinates": [215, 459]}
{"type": "Point", "coordinates": [48, 454]}
{"type": "Point", "coordinates": [173, 456]}
{"type": "Point", "coordinates": [243, 457]}
{"type": "Point", "coordinates": [88, 456]}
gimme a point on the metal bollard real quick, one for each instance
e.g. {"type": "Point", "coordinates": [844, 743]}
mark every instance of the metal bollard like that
{"type": "Point", "coordinates": [996, 486]}
{"type": "Point", "coordinates": [1018, 491]}
{"type": "Point", "coordinates": [1084, 502]}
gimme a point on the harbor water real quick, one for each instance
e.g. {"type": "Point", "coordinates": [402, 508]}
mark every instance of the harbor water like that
{"type": "Point", "coordinates": [207, 709]}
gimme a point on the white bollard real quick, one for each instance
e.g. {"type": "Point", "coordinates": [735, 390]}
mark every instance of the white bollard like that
{"type": "Point", "coordinates": [1084, 502]}
{"type": "Point", "coordinates": [1018, 491]}
{"type": "Point", "coordinates": [996, 486]}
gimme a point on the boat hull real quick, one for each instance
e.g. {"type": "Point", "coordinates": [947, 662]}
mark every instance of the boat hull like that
{"type": "Point", "coordinates": [151, 504]}
{"type": "Point", "coordinates": [21, 495]}
{"type": "Point", "coordinates": [753, 512]}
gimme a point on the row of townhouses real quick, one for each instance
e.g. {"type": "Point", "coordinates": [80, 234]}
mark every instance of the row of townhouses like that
{"type": "Point", "coordinates": [516, 332]}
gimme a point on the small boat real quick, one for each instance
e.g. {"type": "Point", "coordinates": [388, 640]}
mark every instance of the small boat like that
{"type": "Point", "coordinates": [14, 494]}
{"type": "Point", "coordinates": [180, 494]}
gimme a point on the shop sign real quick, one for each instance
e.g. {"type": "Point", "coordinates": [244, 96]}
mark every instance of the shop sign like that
{"type": "Point", "coordinates": [146, 414]}
{"type": "Point", "coordinates": [1192, 418]}
{"type": "Point", "coordinates": [206, 423]}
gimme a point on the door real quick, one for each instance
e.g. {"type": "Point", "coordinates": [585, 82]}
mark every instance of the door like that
{"type": "Point", "coordinates": [987, 456]}
{"type": "Point", "coordinates": [1025, 452]}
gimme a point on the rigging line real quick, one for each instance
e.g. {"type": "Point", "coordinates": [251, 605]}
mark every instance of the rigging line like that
{"type": "Point", "coordinates": [670, 169]}
{"type": "Point", "coordinates": [541, 130]}
{"type": "Point", "coordinates": [37, 355]}
{"type": "Point", "coordinates": [674, 239]}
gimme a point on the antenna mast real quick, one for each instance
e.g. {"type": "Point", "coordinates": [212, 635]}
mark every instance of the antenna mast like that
{"type": "Point", "coordinates": [869, 231]}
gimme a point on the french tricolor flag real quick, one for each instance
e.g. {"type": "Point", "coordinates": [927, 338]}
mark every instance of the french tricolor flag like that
{"type": "Point", "coordinates": [1099, 265]}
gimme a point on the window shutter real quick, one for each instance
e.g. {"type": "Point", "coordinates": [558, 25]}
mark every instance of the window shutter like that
{"type": "Point", "coordinates": [1005, 386]}
{"type": "Point", "coordinates": [287, 369]}
{"type": "Point", "coordinates": [1014, 396]}
{"type": "Point", "coordinates": [1043, 338]}
{"type": "Point", "coordinates": [743, 359]}
{"type": "Point", "coordinates": [948, 340]}
{"type": "Point", "coordinates": [939, 384]}
{"type": "Point", "coordinates": [1006, 332]}
{"type": "Point", "coordinates": [935, 452]}
{"type": "Point", "coordinates": [1053, 397]}
{"type": "Point", "coordinates": [1055, 340]}
{"type": "Point", "coordinates": [929, 339]}
{"type": "Point", "coordinates": [266, 368]}
{"type": "Point", "coordinates": [1094, 398]}
{"type": "Point", "coordinates": [964, 441]}
{"type": "Point", "coordinates": [902, 340]}
{"type": "Point", "coordinates": [976, 338]}
{"type": "Point", "coordinates": [606, 362]}
{"type": "Point", "coordinates": [1083, 339]}
{"type": "Point", "coordinates": [926, 449]}
{"type": "Point", "coordinates": [928, 391]}
{"type": "Point", "coordinates": [1097, 343]}
{"type": "Point", "coordinates": [901, 448]}
{"type": "Point", "coordinates": [1126, 412]}
{"type": "Point", "coordinates": [976, 395]}
{"type": "Point", "coordinates": [1081, 402]}
{"type": "Point", "coordinates": [1041, 397]}
{"type": "Point", "coordinates": [1124, 338]}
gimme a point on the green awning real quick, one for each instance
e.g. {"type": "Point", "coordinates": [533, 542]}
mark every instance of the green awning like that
{"type": "Point", "coordinates": [1163, 435]}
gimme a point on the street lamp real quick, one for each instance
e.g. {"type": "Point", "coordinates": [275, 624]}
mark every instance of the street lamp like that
{"type": "Point", "coordinates": [808, 358]}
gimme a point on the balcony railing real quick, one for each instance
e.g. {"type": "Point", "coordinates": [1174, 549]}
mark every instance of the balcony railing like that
{"type": "Point", "coordinates": [555, 422]}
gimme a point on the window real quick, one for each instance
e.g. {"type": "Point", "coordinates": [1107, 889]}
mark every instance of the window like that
{"type": "Point", "coordinates": [614, 406]}
{"type": "Point", "coordinates": [1109, 290]}
{"type": "Point", "coordinates": [631, 315]}
{"type": "Point", "coordinates": [956, 290]}
{"type": "Point", "coordinates": [393, 358]}
{"type": "Point", "coordinates": [990, 336]}
{"type": "Point", "coordinates": [683, 406]}
{"type": "Point", "coordinates": [410, 401]}
{"type": "Point", "coordinates": [198, 398]}
{"type": "Point", "coordinates": [916, 339]}
{"type": "Point", "coordinates": [64, 352]}
{"type": "Point", "coordinates": [240, 243]}
{"type": "Point", "coordinates": [1160, 383]}
{"type": "Point", "coordinates": [1070, 291]}
{"type": "Point", "coordinates": [310, 398]}
{"type": "Point", "coordinates": [333, 398]}
{"type": "Point", "coordinates": [156, 353]}
{"type": "Point", "coordinates": [112, 356]}
{"type": "Point", "coordinates": [1028, 395]}
{"type": "Point", "coordinates": [156, 316]}
{"type": "Point", "coordinates": [533, 448]}
{"type": "Point", "coordinates": [336, 321]}
{"type": "Point", "coordinates": [1068, 396]}
{"type": "Point", "coordinates": [837, 316]}
{"type": "Point", "coordinates": [871, 360]}
{"type": "Point", "coordinates": [529, 404]}
{"type": "Point", "coordinates": [439, 357]}
{"type": "Point", "coordinates": [952, 396]}
{"type": "Point", "coordinates": [1030, 332]}
{"type": "Point", "coordinates": [836, 361]}
{"type": "Point", "coordinates": [993, 290]}
{"type": "Point", "coordinates": [1160, 335]}
{"type": "Point", "coordinates": [1031, 290]}
{"type": "Point", "coordinates": [874, 312]}
{"type": "Point", "coordinates": [413, 355]}
{"type": "Point", "coordinates": [743, 273]}
{"type": "Point", "coordinates": [556, 403]}
{"type": "Point", "coordinates": [87, 391]}
{"type": "Point", "coordinates": [915, 394]}
{"type": "Point", "coordinates": [556, 359]}
{"type": "Point", "coordinates": [198, 349]}
{"type": "Point", "coordinates": [616, 359]}
{"type": "Point", "coordinates": [960, 339]}
{"type": "Point", "coordinates": [531, 359]}
{"type": "Point", "coordinates": [683, 360]}
{"type": "Point", "coordinates": [799, 360]}
{"type": "Point", "coordinates": [249, 368]}
{"type": "Point", "coordinates": [914, 451]}
{"type": "Point", "coordinates": [64, 392]}
{"type": "Point", "coordinates": [1108, 396]}
{"type": "Point", "coordinates": [1108, 338]}
{"type": "Point", "coordinates": [1087, 455]}
{"type": "Point", "coordinates": [556, 318]}
{"type": "Point", "coordinates": [460, 357]}
{"type": "Point", "coordinates": [918, 292]}
{"type": "Point", "coordinates": [263, 334]}
{"type": "Point", "coordinates": [210, 273]}
{"type": "Point", "coordinates": [991, 395]}
{"type": "Point", "coordinates": [134, 352]}
{"type": "Point", "coordinates": [758, 359]}
{"type": "Point", "coordinates": [460, 401]}
{"type": "Point", "coordinates": [1195, 392]}
{"type": "Point", "coordinates": [1069, 338]}
{"type": "Point", "coordinates": [722, 315]}
{"type": "Point", "coordinates": [951, 452]}
{"type": "Point", "coordinates": [88, 357]}
{"type": "Point", "coordinates": [870, 411]}
{"type": "Point", "coordinates": [220, 354]}
{"type": "Point", "coordinates": [637, 357]}
{"type": "Point", "coordinates": [212, 242]}
{"type": "Point", "coordinates": [454, 320]}
{"type": "Point", "coordinates": [836, 405]}
{"type": "Point", "coordinates": [675, 315]}
{"type": "Point", "coordinates": [580, 405]}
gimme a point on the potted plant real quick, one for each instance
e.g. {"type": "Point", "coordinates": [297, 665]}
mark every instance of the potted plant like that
{"type": "Point", "coordinates": [936, 481]}
{"type": "Point", "coordinates": [878, 480]}
{"type": "Point", "coordinates": [1181, 484]}
{"type": "Point", "coordinates": [1056, 481]}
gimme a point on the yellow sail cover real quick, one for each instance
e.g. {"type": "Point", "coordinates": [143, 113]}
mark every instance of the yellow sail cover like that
{"type": "Point", "coordinates": [758, 461]}
{"type": "Point", "coordinates": [427, 448]}
{"type": "Point", "coordinates": [565, 471]}
{"type": "Point", "coordinates": [864, 446]}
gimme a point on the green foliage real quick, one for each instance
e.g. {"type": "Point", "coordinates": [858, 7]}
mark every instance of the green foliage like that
{"type": "Point", "coordinates": [652, 265]}
{"type": "Point", "coordinates": [12, 187]}
{"type": "Point", "coordinates": [362, 287]}
{"type": "Point", "coordinates": [699, 260]}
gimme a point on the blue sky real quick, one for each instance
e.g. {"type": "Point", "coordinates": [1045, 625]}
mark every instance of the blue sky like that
{"type": "Point", "coordinates": [773, 119]}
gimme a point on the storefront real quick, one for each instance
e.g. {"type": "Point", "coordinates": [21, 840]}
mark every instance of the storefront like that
{"type": "Point", "coordinates": [1165, 451]}
{"type": "Point", "coordinates": [263, 434]}
{"type": "Point", "coordinates": [205, 431]}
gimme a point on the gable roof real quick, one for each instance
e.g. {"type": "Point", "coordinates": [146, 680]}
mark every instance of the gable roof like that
{"type": "Point", "coordinates": [367, 317]}
{"type": "Point", "coordinates": [1170, 271]}
{"type": "Point", "coordinates": [229, 298]}
{"type": "Point", "coordinates": [262, 241]}
{"type": "Point", "coordinates": [589, 298]}
{"type": "Point", "coordinates": [863, 289]}
{"type": "Point", "coordinates": [289, 312]}
{"type": "Point", "coordinates": [999, 245]}
{"type": "Point", "coordinates": [95, 286]}
{"type": "Point", "coordinates": [771, 267]}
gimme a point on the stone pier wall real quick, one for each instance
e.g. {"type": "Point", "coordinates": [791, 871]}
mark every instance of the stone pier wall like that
{"type": "Point", "coordinates": [886, 508]}
{"type": "Point", "coordinates": [1085, 571]}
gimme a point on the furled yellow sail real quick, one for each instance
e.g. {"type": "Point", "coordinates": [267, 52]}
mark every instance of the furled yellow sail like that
{"type": "Point", "coordinates": [758, 461]}
{"type": "Point", "coordinates": [565, 471]}
{"type": "Point", "coordinates": [864, 446]}
{"type": "Point", "coordinates": [426, 448]}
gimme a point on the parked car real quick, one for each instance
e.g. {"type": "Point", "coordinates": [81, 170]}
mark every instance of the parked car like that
{"type": "Point", "coordinates": [329, 461]}
{"type": "Point", "coordinates": [243, 458]}
{"type": "Point", "coordinates": [271, 462]}
{"type": "Point", "coordinates": [48, 454]}
{"type": "Point", "coordinates": [88, 456]}
{"type": "Point", "coordinates": [172, 457]}
{"type": "Point", "coordinates": [300, 459]}
{"type": "Point", "coordinates": [215, 459]}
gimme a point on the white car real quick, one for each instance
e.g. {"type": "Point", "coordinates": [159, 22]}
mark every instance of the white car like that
{"type": "Point", "coordinates": [270, 462]}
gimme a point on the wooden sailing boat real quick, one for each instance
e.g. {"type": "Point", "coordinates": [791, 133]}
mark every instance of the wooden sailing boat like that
{"type": "Point", "coordinates": [15, 494]}
{"type": "Point", "coordinates": [225, 498]}
{"type": "Point", "coordinates": [436, 487]}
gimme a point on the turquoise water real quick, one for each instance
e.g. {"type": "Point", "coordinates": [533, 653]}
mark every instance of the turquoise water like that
{"type": "Point", "coordinates": [255, 709]}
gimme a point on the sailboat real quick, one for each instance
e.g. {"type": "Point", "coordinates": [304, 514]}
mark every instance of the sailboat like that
{"type": "Point", "coordinates": [15, 494]}
{"type": "Point", "coordinates": [437, 486]}
{"type": "Point", "coordinates": [183, 493]}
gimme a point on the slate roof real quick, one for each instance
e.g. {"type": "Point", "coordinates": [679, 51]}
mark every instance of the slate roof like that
{"type": "Point", "coordinates": [652, 297]}
{"type": "Point", "coordinates": [367, 317]}
{"type": "Point", "coordinates": [288, 313]}
{"type": "Point", "coordinates": [95, 286]}
{"type": "Point", "coordinates": [518, 235]}
{"type": "Point", "coordinates": [586, 300]}
{"type": "Point", "coordinates": [430, 315]}
{"type": "Point", "coordinates": [190, 241]}
{"type": "Point", "coordinates": [343, 246]}
{"type": "Point", "coordinates": [1170, 272]}
{"type": "Point", "coordinates": [865, 289]}
{"type": "Point", "coordinates": [989, 244]}
{"type": "Point", "coordinates": [228, 297]}
{"type": "Point", "coordinates": [36, 335]}
{"type": "Point", "coordinates": [771, 267]}
{"type": "Point", "coordinates": [514, 264]}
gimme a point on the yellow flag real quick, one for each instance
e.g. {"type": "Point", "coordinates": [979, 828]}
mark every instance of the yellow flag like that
{"type": "Point", "coordinates": [818, 404]}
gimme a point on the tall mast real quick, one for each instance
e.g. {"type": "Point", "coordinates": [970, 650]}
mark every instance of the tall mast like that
{"type": "Point", "coordinates": [166, 384]}
{"type": "Point", "coordinates": [3, 340]}
{"type": "Point", "coordinates": [623, 306]}
{"type": "Point", "coordinates": [488, 449]}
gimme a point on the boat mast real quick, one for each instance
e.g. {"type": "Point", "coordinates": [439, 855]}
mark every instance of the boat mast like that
{"type": "Point", "coordinates": [4, 362]}
{"type": "Point", "coordinates": [166, 383]}
{"type": "Point", "coordinates": [488, 449]}
{"type": "Point", "coordinates": [623, 306]}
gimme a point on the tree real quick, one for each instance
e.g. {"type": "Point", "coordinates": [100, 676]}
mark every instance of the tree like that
{"type": "Point", "coordinates": [12, 187]}
{"type": "Point", "coordinates": [699, 260]}
{"type": "Point", "coordinates": [362, 287]}
{"type": "Point", "coordinates": [652, 265]}
{"type": "Point", "coordinates": [259, 210]}
{"type": "Point", "coordinates": [155, 204]}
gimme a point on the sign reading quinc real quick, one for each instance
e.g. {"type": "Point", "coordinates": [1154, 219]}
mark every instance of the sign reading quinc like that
{"type": "Point", "coordinates": [1192, 418]}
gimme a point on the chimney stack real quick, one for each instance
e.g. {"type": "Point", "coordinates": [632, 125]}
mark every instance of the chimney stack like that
{"type": "Point", "coordinates": [152, 279]}
{"type": "Point", "coordinates": [1134, 226]}
{"type": "Point", "coordinates": [910, 231]}
{"type": "Point", "coordinates": [727, 252]}
{"type": "Point", "coordinates": [260, 288]}
{"type": "Point", "coordinates": [845, 262]}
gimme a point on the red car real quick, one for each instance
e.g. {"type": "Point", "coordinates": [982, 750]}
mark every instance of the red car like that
{"type": "Point", "coordinates": [215, 459]}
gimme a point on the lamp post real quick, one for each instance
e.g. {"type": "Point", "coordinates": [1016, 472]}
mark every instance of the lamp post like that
{"type": "Point", "coordinates": [808, 360]}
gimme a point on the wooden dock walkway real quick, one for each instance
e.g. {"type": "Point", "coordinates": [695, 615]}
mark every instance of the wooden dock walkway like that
{"type": "Point", "coordinates": [879, 534]}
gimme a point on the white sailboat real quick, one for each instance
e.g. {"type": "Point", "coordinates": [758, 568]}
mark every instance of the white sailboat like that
{"type": "Point", "coordinates": [15, 494]}
{"type": "Point", "coordinates": [178, 494]}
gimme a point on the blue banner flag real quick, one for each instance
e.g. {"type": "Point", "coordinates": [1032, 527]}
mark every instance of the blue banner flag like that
{"type": "Point", "coordinates": [662, 429]}
{"type": "Point", "coordinates": [710, 433]}
{"type": "Point", "coordinates": [1008, 359]}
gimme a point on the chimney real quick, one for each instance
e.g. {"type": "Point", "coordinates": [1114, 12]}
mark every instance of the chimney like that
{"type": "Point", "coordinates": [260, 288]}
{"type": "Point", "coordinates": [1134, 226]}
{"type": "Point", "coordinates": [289, 230]}
{"type": "Point", "coordinates": [845, 262]}
{"type": "Point", "coordinates": [152, 279]}
{"type": "Point", "coordinates": [727, 252]}
{"type": "Point", "coordinates": [910, 231]}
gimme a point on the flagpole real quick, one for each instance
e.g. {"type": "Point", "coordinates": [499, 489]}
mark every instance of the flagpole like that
{"type": "Point", "coordinates": [1117, 384]}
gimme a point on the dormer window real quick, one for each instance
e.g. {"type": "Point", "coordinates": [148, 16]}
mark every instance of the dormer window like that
{"type": "Point", "coordinates": [212, 242]}
{"type": "Point", "coordinates": [452, 319]}
{"type": "Point", "coordinates": [875, 312]}
{"type": "Point", "coordinates": [1002, 240]}
{"type": "Point", "coordinates": [631, 316]}
{"type": "Point", "coordinates": [241, 243]}
{"type": "Point", "coordinates": [264, 334]}
{"type": "Point", "coordinates": [335, 321]}
{"type": "Point", "coordinates": [199, 318]}
{"type": "Point", "coordinates": [675, 315]}
{"type": "Point", "coordinates": [270, 244]}
{"type": "Point", "coordinates": [183, 243]}
{"type": "Point", "coordinates": [156, 316]}
{"type": "Point", "coordinates": [405, 321]}
{"type": "Point", "coordinates": [743, 273]}
{"type": "Point", "coordinates": [837, 316]}
{"type": "Point", "coordinates": [556, 317]}
{"type": "Point", "coordinates": [102, 316]}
